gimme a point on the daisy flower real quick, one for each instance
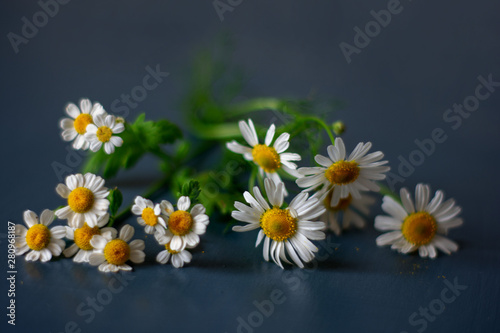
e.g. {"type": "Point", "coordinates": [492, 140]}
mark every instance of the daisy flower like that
{"type": "Point", "coordinates": [269, 159]}
{"type": "Point", "coordinates": [183, 227]}
{"type": "Point", "coordinates": [286, 230]}
{"type": "Point", "coordinates": [350, 176]}
{"type": "Point", "coordinates": [82, 236]}
{"type": "Point", "coordinates": [346, 212]}
{"type": "Point", "coordinates": [149, 216]}
{"type": "Point", "coordinates": [178, 258]}
{"type": "Point", "coordinates": [101, 133]}
{"type": "Point", "coordinates": [87, 199]}
{"type": "Point", "coordinates": [43, 242]}
{"type": "Point", "coordinates": [111, 254]}
{"type": "Point", "coordinates": [74, 128]}
{"type": "Point", "coordinates": [418, 226]}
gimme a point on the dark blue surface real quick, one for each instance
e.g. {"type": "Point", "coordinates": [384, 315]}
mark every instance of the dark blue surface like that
{"type": "Point", "coordinates": [396, 89]}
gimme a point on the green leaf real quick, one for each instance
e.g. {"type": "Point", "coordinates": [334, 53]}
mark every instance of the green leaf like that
{"type": "Point", "coordinates": [191, 190]}
{"type": "Point", "coordinates": [115, 198]}
{"type": "Point", "coordinates": [139, 138]}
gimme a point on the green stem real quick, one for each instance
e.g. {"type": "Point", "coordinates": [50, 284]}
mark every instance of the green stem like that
{"type": "Point", "coordinates": [251, 180]}
{"type": "Point", "coordinates": [261, 180]}
{"type": "Point", "coordinates": [217, 131]}
{"type": "Point", "coordinates": [161, 154]}
{"type": "Point", "coordinates": [258, 104]}
{"type": "Point", "coordinates": [229, 130]}
{"type": "Point", "coordinates": [384, 190]}
{"type": "Point", "coordinates": [322, 124]}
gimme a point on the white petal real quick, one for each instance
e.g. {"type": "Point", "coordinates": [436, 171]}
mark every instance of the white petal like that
{"type": "Point", "coordinates": [47, 217]}
{"type": "Point", "coordinates": [238, 148]}
{"type": "Point", "coordinates": [45, 255]}
{"type": "Point", "coordinates": [30, 218]}
{"type": "Point", "coordinates": [422, 194]}
{"type": "Point", "coordinates": [116, 141]}
{"type": "Point", "coordinates": [70, 251]}
{"type": "Point", "coordinates": [248, 132]}
{"type": "Point", "coordinates": [72, 110]}
{"type": "Point", "coordinates": [407, 201]}
{"type": "Point", "coordinates": [98, 242]}
{"type": "Point", "coordinates": [95, 259]}
{"type": "Point", "coordinates": [85, 105]}
{"type": "Point", "coordinates": [184, 203]}
{"type": "Point", "coordinates": [270, 135]}
{"type": "Point", "coordinates": [282, 143]}
{"type": "Point", "coordinates": [58, 232]}
{"type": "Point", "coordinates": [126, 233]}
{"type": "Point", "coordinates": [388, 238]}
{"type": "Point", "coordinates": [393, 208]}
{"type": "Point", "coordinates": [163, 257]}
{"type": "Point", "coordinates": [137, 256]}
{"type": "Point", "coordinates": [384, 223]}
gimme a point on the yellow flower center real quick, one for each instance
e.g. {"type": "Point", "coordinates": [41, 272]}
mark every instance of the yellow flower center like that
{"type": "Point", "coordinates": [83, 236]}
{"type": "Point", "coordinates": [117, 252]}
{"type": "Point", "coordinates": [148, 215]}
{"type": "Point", "coordinates": [266, 157]}
{"type": "Point", "coordinates": [81, 200]}
{"type": "Point", "coordinates": [81, 123]}
{"type": "Point", "coordinates": [167, 247]}
{"type": "Point", "coordinates": [38, 237]}
{"type": "Point", "coordinates": [180, 223]}
{"type": "Point", "coordinates": [342, 172]}
{"type": "Point", "coordinates": [278, 224]}
{"type": "Point", "coordinates": [419, 228]}
{"type": "Point", "coordinates": [342, 205]}
{"type": "Point", "coordinates": [104, 133]}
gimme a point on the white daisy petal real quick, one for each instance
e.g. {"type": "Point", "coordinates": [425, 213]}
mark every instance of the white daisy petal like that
{"type": "Point", "coordinates": [72, 110]}
{"type": "Point", "coordinates": [249, 133]}
{"type": "Point", "coordinates": [407, 201]}
{"type": "Point", "coordinates": [393, 208]}
{"type": "Point", "coordinates": [388, 238]}
{"type": "Point", "coordinates": [270, 135]}
{"type": "Point", "coordinates": [85, 105]}
{"type": "Point", "coordinates": [184, 203]}
{"type": "Point", "coordinates": [422, 225]}
{"type": "Point", "coordinates": [163, 257]}
{"type": "Point", "coordinates": [30, 218]}
{"type": "Point", "coordinates": [384, 223]}
{"type": "Point", "coordinates": [126, 233]}
{"type": "Point", "coordinates": [98, 242]}
{"type": "Point", "coordinates": [422, 193]}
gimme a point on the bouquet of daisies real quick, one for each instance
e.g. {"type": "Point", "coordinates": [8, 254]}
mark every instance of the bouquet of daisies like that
{"type": "Point", "coordinates": [255, 183]}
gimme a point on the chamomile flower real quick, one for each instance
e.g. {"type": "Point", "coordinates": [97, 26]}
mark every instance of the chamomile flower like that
{"type": "Point", "coordinates": [178, 258]}
{"type": "Point", "coordinates": [418, 226]}
{"type": "Point", "coordinates": [42, 241]}
{"type": "Point", "coordinates": [87, 199]}
{"type": "Point", "coordinates": [349, 175]}
{"type": "Point", "coordinates": [269, 159]}
{"type": "Point", "coordinates": [346, 212]}
{"type": "Point", "coordinates": [285, 230]}
{"type": "Point", "coordinates": [183, 227]}
{"type": "Point", "coordinates": [101, 133]}
{"type": "Point", "coordinates": [74, 128]}
{"type": "Point", "coordinates": [82, 236]}
{"type": "Point", "coordinates": [149, 216]}
{"type": "Point", "coordinates": [111, 254]}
